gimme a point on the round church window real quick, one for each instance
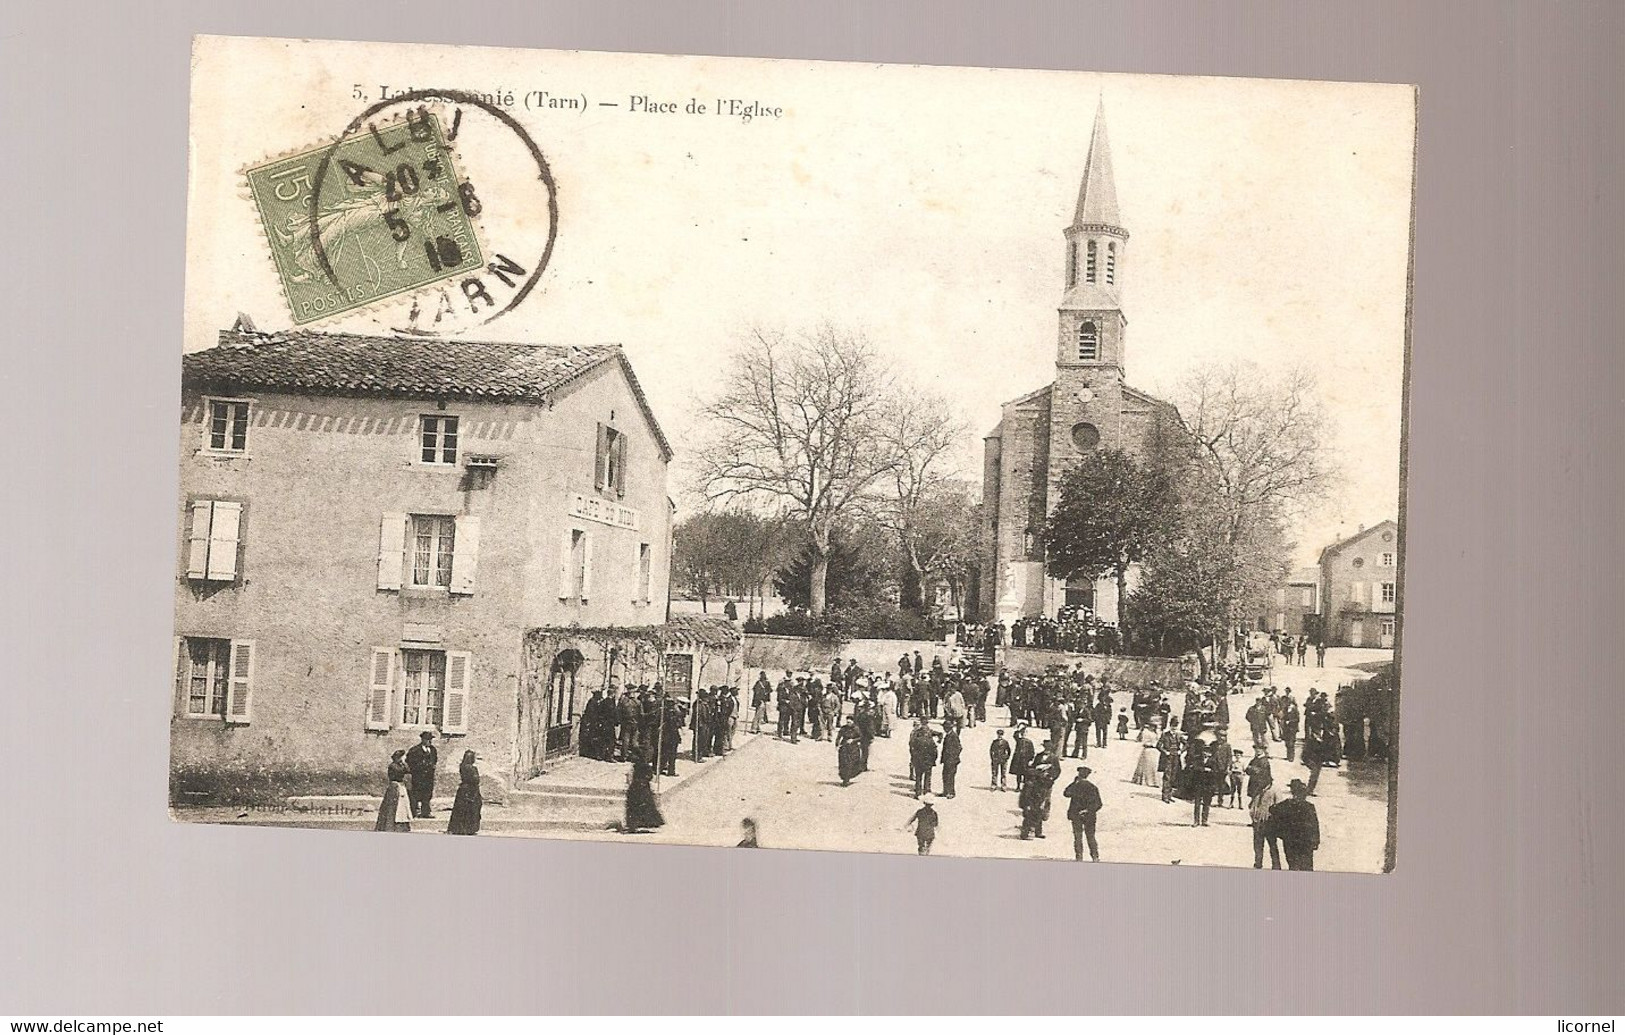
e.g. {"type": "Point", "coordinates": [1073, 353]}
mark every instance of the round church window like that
{"type": "Point", "coordinates": [1085, 436]}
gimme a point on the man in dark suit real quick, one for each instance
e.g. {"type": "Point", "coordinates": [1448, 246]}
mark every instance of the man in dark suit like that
{"type": "Point", "coordinates": [950, 760]}
{"type": "Point", "coordinates": [1037, 786]}
{"type": "Point", "coordinates": [1022, 758]}
{"type": "Point", "coordinates": [796, 701]}
{"type": "Point", "coordinates": [922, 756]}
{"type": "Point", "coordinates": [783, 706]}
{"type": "Point", "coordinates": [1296, 823]}
{"type": "Point", "coordinates": [671, 735]}
{"type": "Point", "coordinates": [420, 763]}
{"type": "Point", "coordinates": [631, 719]}
{"type": "Point", "coordinates": [701, 722]}
{"type": "Point", "coordinates": [1081, 809]}
{"type": "Point", "coordinates": [1289, 724]}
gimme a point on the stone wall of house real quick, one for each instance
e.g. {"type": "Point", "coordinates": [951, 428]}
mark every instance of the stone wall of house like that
{"type": "Point", "coordinates": [316, 479]}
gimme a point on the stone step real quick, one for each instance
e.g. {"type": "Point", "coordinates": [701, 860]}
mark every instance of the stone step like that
{"type": "Point", "coordinates": [534, 801]}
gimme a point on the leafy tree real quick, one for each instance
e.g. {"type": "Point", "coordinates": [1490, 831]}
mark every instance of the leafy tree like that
{"type": "Point", "coordinates": [727, 551]}
{"type": "Point", "coordinates": [849, 572]}
{"type": "Point", "coordinates": [1113, 511]}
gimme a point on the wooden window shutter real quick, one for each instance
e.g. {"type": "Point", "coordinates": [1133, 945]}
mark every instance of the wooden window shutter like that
{"type": "Point", "coordinates": [197, 554]}
{"type": "Point", "coordinates": [601, 469]}
{"type": "Point", "coordinates": [391, 551]}
{"type": "Point", "coordinates": [459, 665]}
{"type": "Point", "coordinates": [586, 565]}
{"type": "Point", "coordinates": [224, 531]}
{"type": "Point", "coordinates": [620, 465]}
{"type": "Point", "coordinates": [240, 687]}
{"type": "Point", "coordinates": [383, 682]}
{"type": "Point", "coordinates": [465, 556]}
{"type": "Point", "coordinates": [567, 574]}
{"type": "Point", "coordinates": [183, 668]}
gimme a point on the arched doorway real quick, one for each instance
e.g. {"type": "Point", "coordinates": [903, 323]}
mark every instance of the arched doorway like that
{"type": "Point", "coordinates": [560, 702]}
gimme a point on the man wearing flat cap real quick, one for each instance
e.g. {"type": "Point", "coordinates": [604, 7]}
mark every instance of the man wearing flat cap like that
{"type": "Point", "coordinates": [1085, 802]}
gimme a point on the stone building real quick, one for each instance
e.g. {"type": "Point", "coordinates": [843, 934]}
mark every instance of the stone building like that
{"type": "Point", "coordinates": [1088, 406]}
{"type": "Point", "coordinates": [1296, 605]}
{"type": "Point", "coordinates": [369, 527]}
{"type": "Point", "coordinates": [1359, 579]}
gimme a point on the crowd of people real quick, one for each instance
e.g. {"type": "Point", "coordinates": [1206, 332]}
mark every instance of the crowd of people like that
{"type": "Point", "coordinates": [1295, 649]}
{"type": "Point", "coordinates": [1061, 714]}
{"type": "Point", "coordinates": [1076, 630]}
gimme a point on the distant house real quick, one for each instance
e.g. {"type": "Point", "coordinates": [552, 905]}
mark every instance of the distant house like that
{"type": "Point", "coordinates": [372, 530]}
{"type": "Point", "coordinates": [1359, 584]}
{"type": "Point", "coordinates": [1297, 605]}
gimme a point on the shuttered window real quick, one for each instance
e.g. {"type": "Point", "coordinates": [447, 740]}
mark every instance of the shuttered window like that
{"type": "Point", "coordinates": [212, 541]}
{"type": "Point", "coordinates": [609, 473]}
{"type": "Point", "coordinates": [575, 566]}
{"type": "Point", "coordinates": [434, 538]}
{"type": "Point", "coordinates": [644, 571]}
{"type": "Point", "coordinates": [431, 689]}
{"type": "Point", "coordinates": [214, 678]}
{"type": "Point", "coordinates": [423, 687]}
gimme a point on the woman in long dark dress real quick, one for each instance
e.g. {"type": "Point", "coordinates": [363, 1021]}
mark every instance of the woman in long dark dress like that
{"type": "Point", "coordinates": [849, 752]}
{"type": "Point", "coordinates": [466, 807]}
{"type": "Point", "coordinates": [394, 815]}
{"type": "Point", "coordinates": [642, 811]}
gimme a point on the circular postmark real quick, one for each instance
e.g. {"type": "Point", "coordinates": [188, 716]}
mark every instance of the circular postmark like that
{"type": "Point", "coordinates": [434, 209]}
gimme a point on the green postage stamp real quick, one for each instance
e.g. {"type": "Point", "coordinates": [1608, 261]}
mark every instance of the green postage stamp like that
{"type": "Point", "coordinates": [390, 216]}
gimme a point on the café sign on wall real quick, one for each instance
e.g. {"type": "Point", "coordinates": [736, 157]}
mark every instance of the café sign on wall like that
{"type": "Point", "coordinates": [605, 512]}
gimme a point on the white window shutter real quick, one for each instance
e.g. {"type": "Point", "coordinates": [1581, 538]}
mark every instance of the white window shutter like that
{"type": "Point", "coordinates": [223, 535]}
{"type": "Point", "coordinates": [567, 574]}
{"type": "Point", "coordinates": [382, 684]}
{"type": "Point", "coordinates": [620, 465]}
{"type": "Point", "coordinates": [601, 458]}
{"type": "Point", "coordinates": [182, 670]}
{"type": "Point", "coordinates": [586, 565]}
{"type": "Point", "coordinates": [240, 687]}
{"type": "Point", "coordinates": [391, 551]}
{"type": "Point", "coordinates": [459, 676]}
{"type": "Point", "coordinates": [466, 555]}
{"type": "Point", "coordinates": [197, 554]}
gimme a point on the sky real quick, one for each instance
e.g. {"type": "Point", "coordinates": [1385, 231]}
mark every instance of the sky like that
{"type": "Point", "coordinates": [921, 206]}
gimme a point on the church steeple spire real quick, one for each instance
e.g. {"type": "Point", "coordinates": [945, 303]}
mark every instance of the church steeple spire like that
{"type": "Point", "coordinates": [1091, 310]}
{"type": "Point", "coordinates": [1097, 193]}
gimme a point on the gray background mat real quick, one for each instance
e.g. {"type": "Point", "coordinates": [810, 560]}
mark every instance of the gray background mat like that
{"type": "Point", "coordinates": [1507, 894]}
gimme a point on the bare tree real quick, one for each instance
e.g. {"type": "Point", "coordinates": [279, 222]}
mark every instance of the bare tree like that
{"type": "Point", "coordinates": [918, 499]}
{"type": "Point", "coordinates": [798, 428]}
{"type": "Point", "coordinates": [1260, 437]}
{"type": "Point", "coordinates": [1259, 459]}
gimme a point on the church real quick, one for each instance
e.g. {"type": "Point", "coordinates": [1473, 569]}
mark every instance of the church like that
{"type": "Point", "coordinates": [1088, 406]}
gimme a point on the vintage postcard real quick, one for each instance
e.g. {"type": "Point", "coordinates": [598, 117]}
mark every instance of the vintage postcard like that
{"type": "Point", "coordinates": [791, 454]}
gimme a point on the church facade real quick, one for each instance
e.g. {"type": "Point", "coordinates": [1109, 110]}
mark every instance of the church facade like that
{"type": "Point", "coordinates": [1088, 406]}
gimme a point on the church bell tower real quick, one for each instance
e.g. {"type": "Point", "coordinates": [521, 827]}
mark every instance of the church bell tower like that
{"type": "Point", "coordinates": [1087, 404]}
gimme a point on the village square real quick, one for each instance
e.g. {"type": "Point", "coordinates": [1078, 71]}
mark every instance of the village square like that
{"type": "Point", "coordinates": [470, 586]}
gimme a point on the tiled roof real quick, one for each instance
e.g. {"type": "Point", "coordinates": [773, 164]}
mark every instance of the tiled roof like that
{"type": "Point", "coordinates": [358, 364]}
{"type": "Point", "coordinates": [705, 630]}
{"type": "Point", "coordinates": [1386, 523]}
{"type": "Point", "coordinates": [355, 363]}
